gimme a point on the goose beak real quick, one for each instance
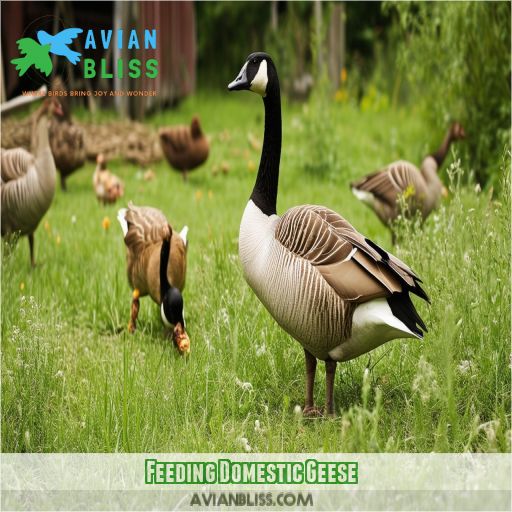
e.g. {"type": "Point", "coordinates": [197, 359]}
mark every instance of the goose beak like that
{"type": "Point", "coordinates": [181, 339]}
{"type": "Point", "coordinates": [240, 82]}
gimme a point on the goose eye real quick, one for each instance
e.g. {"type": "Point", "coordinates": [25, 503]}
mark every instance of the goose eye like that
{"type": "Point", "coordinates": [254, 61]}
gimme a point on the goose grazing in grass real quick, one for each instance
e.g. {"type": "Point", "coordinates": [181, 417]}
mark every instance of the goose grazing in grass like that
{"type": "Point", "coordinates": [336, 292]}
{"type": "Point", "coordinates": [66, 137]}
{"type": "Point", "coordinates": [421, 188]}
{"type": "Point", "coordinates": [185, 147]}
{"type": "Point", "coordinates": [28, 179]}
{"type": "Point", "coordinates": [157, 263]}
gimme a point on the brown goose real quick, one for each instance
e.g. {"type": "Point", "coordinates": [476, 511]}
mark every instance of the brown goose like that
{"type": "Point", "coordinates": [28, 179]}
{"type": "Point", "coordinates": [421, 188]}
{"type": "Point", "coordinates": [107, 186]}
{"type": "Point", "coordinates": [335, 291]}
{"type": "Point", "coordinates": [157, 263]}
{"type": "Point", "coordinates": [66, 139]}
{"type": "Point", "coordinates": [185, 147]}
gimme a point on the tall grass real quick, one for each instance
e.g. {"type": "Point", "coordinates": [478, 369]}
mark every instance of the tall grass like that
{"type": "Point", "coordinates": [73, 379]}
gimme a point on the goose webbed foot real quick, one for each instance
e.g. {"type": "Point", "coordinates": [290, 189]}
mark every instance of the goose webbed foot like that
{"type": "Point", "coordinates": [311, 411]}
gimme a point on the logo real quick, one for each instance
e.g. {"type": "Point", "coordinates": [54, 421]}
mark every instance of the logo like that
{"type": "Point", "coordinates": [37, 54]}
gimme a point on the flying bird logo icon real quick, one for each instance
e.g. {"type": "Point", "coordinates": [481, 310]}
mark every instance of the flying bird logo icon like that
{"type": "Point", "coordinates": [33, 54]}
{"type": "Point", "coordinates": [59, 43]}
{"type": "Point", "coordinates": [37, 53]}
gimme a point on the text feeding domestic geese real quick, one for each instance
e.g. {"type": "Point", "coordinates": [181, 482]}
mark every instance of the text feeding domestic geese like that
{"type": "Point", "coordinates": [336, 292]}
{"type": "Point", "coordinates": [156, 260]}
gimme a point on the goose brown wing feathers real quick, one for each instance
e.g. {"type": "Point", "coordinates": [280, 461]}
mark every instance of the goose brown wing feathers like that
{"type": "Point", "coordinates": [356, 268]}
{"type": "Point", "coordinates": [388, 183]}
{"type": "Point", "coordinates": [146, 225]}
{"type": "Point", "coordinates": [178, 138]}
{"type": "Point", "coordinates": [15, 163]}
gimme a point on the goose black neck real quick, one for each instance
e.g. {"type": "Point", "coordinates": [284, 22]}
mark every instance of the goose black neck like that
{"type": "Point", "coordinates": [164, 262]}
{"type": "Point", "coordinates": [441, 153]}
{"type": "Point", "coordinates": [264, 194]}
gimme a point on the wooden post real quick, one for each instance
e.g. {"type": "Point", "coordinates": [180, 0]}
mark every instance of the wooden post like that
{"type": "Point", "coordinates": [273, 16]}
{"type": "Point", "coordinates": [318, 37]}
{"type": "Point", "coordinates": [337, 43]}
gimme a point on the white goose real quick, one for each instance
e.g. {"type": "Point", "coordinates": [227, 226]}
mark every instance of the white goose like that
{"type": "Point", "coordinates": [336, 292]}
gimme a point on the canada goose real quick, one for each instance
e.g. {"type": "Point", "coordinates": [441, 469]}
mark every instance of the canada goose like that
{"type": "Point", "coordinates": [157, 264]}
{"type": "Point", "coordinates": [185, 147]}
{"type": "Point", "coordinates": [422, 189]}
{"type": "Point", "coordinates": [28, 179]}
{"type": "Point", "coordinates": [66, 138]}
{"type": "Point", "coordinates": [335, 291]}
{"type": "Point", "coordinates": [107, 186]}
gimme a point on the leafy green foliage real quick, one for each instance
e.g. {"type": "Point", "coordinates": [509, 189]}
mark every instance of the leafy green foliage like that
{"type": "Point", "coordinates": [457, 58]}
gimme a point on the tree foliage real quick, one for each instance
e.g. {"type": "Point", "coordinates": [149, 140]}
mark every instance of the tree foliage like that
{"type": "Point", "coordinates": [457, 58]}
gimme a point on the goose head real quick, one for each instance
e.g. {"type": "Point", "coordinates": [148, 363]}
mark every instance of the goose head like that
{"type": "Point", "coordinates": [171, 311]}
{"type": "Point", "coordinates": [52, 107]}
{"type": "Point", "coordinates": [256, 75]}
{"type": "Point", "coordinates": [457, 131]}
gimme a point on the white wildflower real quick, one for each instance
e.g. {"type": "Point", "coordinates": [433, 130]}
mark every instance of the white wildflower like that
{"type": "Point", "coordinates": [297, 410]}
{"type": "Point", "coordinates": [73, 219]}
{"type": "Point", "coordinates": [246, 386]}
{"type": "Point", "coordinates": [261, 349]}
{"type": "Point", "coordinates": [464, 366]}
{"type": "Point", "coordinates": [245, 444]}
{"type": "Point", "coordinates": [257, 426]}
{"type": "Point", "coordinates": [59, 374]}
{"type": "Point", "coordinates": [478, 188]}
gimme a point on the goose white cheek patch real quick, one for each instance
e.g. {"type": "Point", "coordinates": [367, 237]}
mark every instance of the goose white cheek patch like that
{"type": "Point", "coordinates": [259, 83]}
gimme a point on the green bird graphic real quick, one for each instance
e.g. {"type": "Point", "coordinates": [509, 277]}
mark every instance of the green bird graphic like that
{"type": "Point", "coordinates": [34, 54]}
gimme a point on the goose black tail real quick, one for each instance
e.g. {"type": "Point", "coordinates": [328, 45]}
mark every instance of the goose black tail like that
{"type": "Point", "coordinates": [402, 307]}
{"type": "Point", "coordinates": [164, 262]}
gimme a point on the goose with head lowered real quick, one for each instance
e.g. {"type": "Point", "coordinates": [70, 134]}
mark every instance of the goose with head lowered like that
{"type": "Point", "coordinates": [420, 188]}
{"type": "Point", "coordinates": [156, 260]}
{"type": "Point", "coordinates": [336, 292]}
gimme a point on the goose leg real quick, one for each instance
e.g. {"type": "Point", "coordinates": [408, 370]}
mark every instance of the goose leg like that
{"type": "Point", "coordinates": [309, 408]}
{"type": "Point", "coordinates": [330, 372]}
{"type": "Point", "coordinates": [63, 182]}
{"type": "Point", "coordinates": [31, 245]}
{"type": "Point", "coordinates": [185, 176]}
{"type": "Point", "coordinates": [134, 311]}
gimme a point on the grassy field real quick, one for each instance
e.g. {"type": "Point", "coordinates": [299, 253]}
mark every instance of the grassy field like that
{"type": "Point", "coordinates": [73, 379]}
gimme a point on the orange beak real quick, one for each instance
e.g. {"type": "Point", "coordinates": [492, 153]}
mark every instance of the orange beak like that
{"type": "Point", "coordinates": [181, 339]}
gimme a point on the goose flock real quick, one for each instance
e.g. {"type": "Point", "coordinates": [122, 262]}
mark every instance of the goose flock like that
{"type": "Point", "coordinates": [334, 290]}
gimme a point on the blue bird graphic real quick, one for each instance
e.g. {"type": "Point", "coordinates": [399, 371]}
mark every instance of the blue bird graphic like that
{"type": "Point", "coordinates": [59, 43]}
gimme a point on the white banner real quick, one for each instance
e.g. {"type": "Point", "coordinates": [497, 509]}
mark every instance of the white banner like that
{"type": "Point", "coordinates": [384, 482]}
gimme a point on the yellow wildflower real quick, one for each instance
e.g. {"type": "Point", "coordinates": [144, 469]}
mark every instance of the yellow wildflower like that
{"type": "Point", "coordinates": [409, 191]}
{"type": "Point", "coordinates": [22, 286]}
{"type": "Point", "coordinates": [105, 223]}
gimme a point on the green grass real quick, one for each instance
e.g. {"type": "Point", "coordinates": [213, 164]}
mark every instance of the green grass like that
{"type": "Point", "coordinates": [73, 379]}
